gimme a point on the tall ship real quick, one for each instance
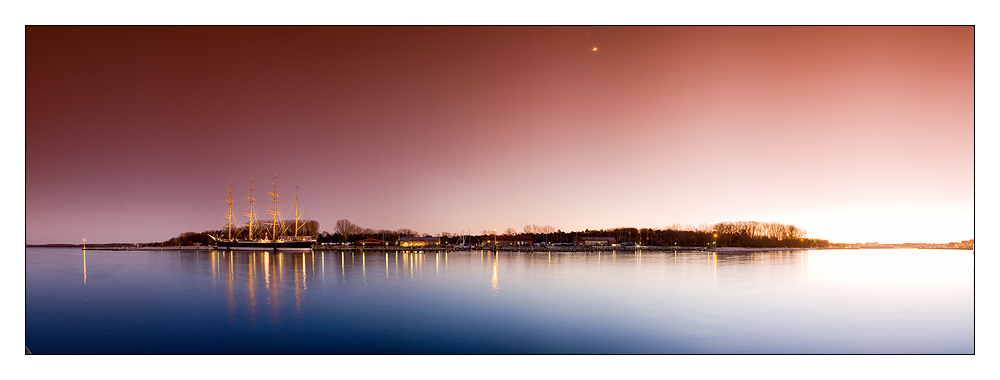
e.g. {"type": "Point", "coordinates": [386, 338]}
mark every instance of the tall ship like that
{"type": "Point", "coordinates": [272, 237]}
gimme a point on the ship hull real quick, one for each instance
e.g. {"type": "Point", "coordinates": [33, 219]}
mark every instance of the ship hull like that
{"type": "Point", "coordinates": [246, 245]}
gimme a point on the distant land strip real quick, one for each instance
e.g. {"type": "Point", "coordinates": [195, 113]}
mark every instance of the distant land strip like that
{"type": "Point", "coordinates": [720, 237]}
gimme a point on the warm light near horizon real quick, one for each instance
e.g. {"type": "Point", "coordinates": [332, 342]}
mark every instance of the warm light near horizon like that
{"type": "Point", "coordinates": [595, 48]}
{"type": "Point", "coordinates": [894, 222]}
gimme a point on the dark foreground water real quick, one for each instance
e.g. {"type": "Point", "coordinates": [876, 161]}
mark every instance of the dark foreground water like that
{"type": "Point", "coordinates": [473, 302]}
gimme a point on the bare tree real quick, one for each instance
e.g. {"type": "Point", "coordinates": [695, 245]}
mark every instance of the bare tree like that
{"type": "Point", "coordinates": [345, 228]}
{"type": "Point", "coordinates": [368, 233]}
{"type": "Point", "coordinates": [406, 232]}
{"type": "Point", "coordinates": [387, 235]}
{"type": "Point", "coordinates": [545, 231]}
{"type": "Point", "coordinates": [510, 231]}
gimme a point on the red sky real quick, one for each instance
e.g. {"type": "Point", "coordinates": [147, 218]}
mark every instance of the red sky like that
{"type": "Point", "coordinates": [133, 134]}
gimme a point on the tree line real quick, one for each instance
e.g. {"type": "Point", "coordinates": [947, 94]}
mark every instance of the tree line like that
{"type": "Point", "coordinates": [347, 231]}
{"type": "Point", "coordinates": [752, 234]}
{"type": "Point", "coordinates": [759, 234]}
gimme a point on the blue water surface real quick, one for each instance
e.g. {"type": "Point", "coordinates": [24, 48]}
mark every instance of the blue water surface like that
{"type": "Point", "coordinates": [478, 302]}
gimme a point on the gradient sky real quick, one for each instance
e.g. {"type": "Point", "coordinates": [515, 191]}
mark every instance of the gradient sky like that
{"type": "Point", "coordinates": [855, 134]}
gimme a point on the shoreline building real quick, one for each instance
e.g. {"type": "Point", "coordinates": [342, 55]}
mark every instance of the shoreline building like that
{"type": "Point", "coordinates": [591, 241]}
{"type": "Point", "coordinates": [419, 241]}
{"type": "Point", "coordinates": [506, 240]}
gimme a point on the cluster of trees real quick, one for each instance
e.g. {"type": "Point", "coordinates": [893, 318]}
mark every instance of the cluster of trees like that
{"type": "Point", "coordinates": [528, 229]}
{"type": "Point", "coordinates": [726, 234]}
{"type": "Point", "coordinates": [345, 231]}
{"type": "Point", "coordinates": [651, 236]}
{"type": "Point", "coordinates": [758, 234]}
{"type": "Point", "coordinates": [187, 239]}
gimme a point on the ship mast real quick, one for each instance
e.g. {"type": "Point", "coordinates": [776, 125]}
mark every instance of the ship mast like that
{"type": "Point", "coordinates": [229, 216]}
{"type": "Point", "coordinates": [250, 214]}
{"type": "Point", "coordinates": [297, 215]}
{"type": "Point", "coordinates": [274, 212]}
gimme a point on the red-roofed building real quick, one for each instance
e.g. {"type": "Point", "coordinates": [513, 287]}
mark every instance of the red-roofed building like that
{"type": "Point", "coordinates": [370, 242]}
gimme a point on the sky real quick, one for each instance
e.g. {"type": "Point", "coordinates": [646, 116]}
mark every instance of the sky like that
{"type": "Point", "coordinates": [855, 134]}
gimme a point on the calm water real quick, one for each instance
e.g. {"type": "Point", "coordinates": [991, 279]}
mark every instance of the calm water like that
{"type": "Point", "coordinates": [473, 302]}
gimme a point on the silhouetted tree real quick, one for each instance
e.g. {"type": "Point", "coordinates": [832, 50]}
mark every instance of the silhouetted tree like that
{"type": "Point", "coordinates": [406, 232]}
{"type": "Point", "coordinates": [346, 229]}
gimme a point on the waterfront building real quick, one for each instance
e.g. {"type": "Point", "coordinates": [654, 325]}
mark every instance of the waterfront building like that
{"type": "Point", "coordinates": [507, 240]}
{"type": "Point", "coordinates": [594, 241]}
{"type": "Point", "coordinates": [419, 241]}
{"type": "Point", "coordinates": [367, 242]}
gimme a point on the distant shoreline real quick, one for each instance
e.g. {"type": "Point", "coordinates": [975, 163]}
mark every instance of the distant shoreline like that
{"type": "Point", "coordinates": [746, 249]}
{"type": "Point", "coordinates": [600, 248]}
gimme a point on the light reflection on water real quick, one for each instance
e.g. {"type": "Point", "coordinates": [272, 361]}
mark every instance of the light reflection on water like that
{"type": "Point", "coordinates": [164, 302]}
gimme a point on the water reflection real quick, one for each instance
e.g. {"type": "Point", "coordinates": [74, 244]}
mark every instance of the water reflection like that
{"type": "Point", "coordinates": [213, 258]}
{"type": "Point", "coordinates": [715, 268]}
{"type": "Point", "coordinates": [759, 302]}
{"type": "Point", "coordinates": [250, 285]}
{"type": "Point", "coordinates": [267, 269]}
{"type": "Point", "coordinates": [494, 281]}
{"type": "Point", "coordinates": [245, 271]}
{"type": "Point", "coordinates": [267, 272]}
{"type": "Point", "coordinates": [273, 300]}
{"type": "Point", "coordinates": [232, 297]}
{"type": "Point", "coordinates": [298, 295]}
{"type": "Point", "coordinates": [254, 280]}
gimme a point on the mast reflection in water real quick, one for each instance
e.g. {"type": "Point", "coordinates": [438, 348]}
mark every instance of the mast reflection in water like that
{"type": "Point", "coordinates": [189, 302]}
